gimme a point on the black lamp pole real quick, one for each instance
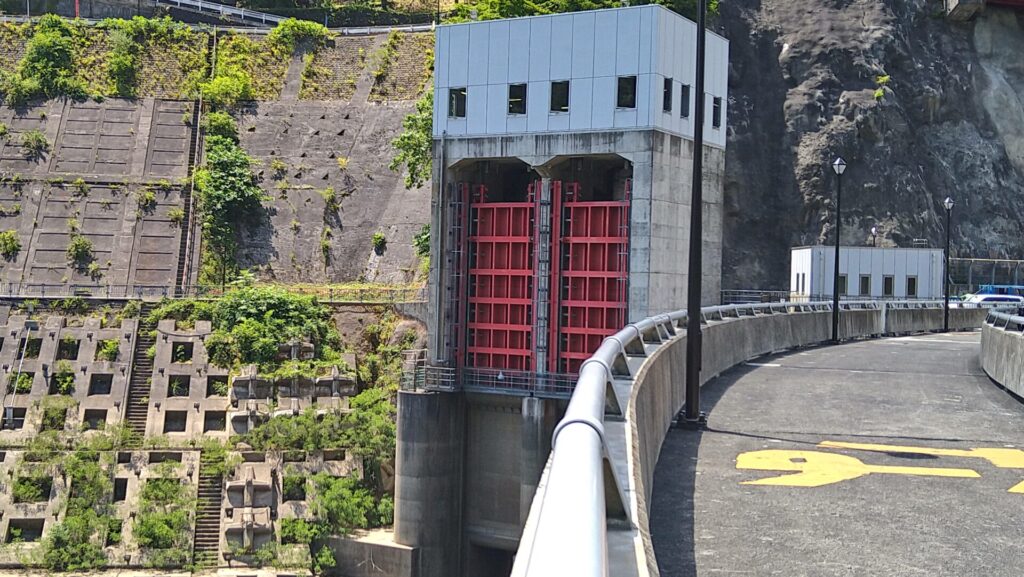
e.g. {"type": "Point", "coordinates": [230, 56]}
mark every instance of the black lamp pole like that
{"type": "Point", "coordinates": [839, 166]}
{"type": "Point", "coordinates": [948, 205]}
{"type": "Point", "coordinates": [692, 415]}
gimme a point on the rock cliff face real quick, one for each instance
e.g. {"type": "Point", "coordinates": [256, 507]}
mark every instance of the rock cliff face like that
{"type": "Point", "coordinates": [807, 83]}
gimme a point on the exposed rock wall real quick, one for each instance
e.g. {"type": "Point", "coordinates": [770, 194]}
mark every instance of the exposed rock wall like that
{"type": "Point", "coordinates": [949, 122]}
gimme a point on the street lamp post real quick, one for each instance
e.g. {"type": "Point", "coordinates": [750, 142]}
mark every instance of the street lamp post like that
{"type": "Point", "coordinates": [839, 166]}
{"type": "Point", "coordinates": [692, 417]}
{"type": "Point", "coordinates": [948, 205]}
{"type": "Point", "coordinates": [874, 233]}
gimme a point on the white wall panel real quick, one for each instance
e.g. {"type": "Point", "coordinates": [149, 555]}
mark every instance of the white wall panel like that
{"type": "Point", "coordinates": [603, 103]}
{"type": "Point", "coordinates": [627, 42]}
{"type": "Point", "coordinates": [497, 52]}
{"type": "Point", "coordinates": [476, 110]}
{"type": "Point", "coordinates": [604, 43]}
{"type": "Point", "coordinates": [581, 97]}
{"type": "Point", "coordinates": [458, 61]}
{"type": "Point", "coordinates": [519, 50]}
{"type": "Point", "coordinates": [497, 108]}
{"type": "Point", "coordinates": [561, 47]}
{"type": "Point", "coordinates": [540, 49]}
{"type": "Point", "coordinates": [479, 43]}
{"type": "Point", "coordinates": [583, 25]}
{"type": "Point", "coordinates": [537, 106]}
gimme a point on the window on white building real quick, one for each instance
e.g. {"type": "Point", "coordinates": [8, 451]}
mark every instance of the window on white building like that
{"type": "Point", "coordinates": [560, 96]}
{"type": "Point", "coordinates": [517, 99]}
{"type": "Point", "coordinates": [684, 101]}
{"type": "Point", "coordinates": [716, 112]}
{"type": "Point", "coordinates": [666, 98]}
{"type": "Point", "coordinates": [457, 102]}
{"type": "Point", "coordinates": [865, 285]}
{"type": "Point", "coordinates": [911, 287]}
{"type": "Point", "coordinates": [626, 97]}
{"type": "Point", "coordinates": [842, 284]}
{"type": "Point", "coordinates": [887, 285]}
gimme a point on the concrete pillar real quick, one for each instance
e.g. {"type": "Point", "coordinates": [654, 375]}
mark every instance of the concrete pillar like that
{"type": "Point", "coordinates": [538, 416]}
{"type": "Point", "coordinates": [428, 484]}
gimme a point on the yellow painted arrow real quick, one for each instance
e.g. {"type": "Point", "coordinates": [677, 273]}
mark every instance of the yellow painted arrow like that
{"type": "Point", "coordinates": [816, 469]}
{"type": "Point", "coordinates": [1002, 458]}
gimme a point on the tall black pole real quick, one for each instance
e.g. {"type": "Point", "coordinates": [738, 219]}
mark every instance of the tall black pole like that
{"type": "Point", "coordinates": [945, 274]}
{"type": "Point", "coordinates": [835, 275]}
{"type": "Point", "coordinates": [692, 413]}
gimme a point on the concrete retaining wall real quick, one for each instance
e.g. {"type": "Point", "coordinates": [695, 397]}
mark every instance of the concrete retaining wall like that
{"type": "Point", "coordinates": [1002, 357]}
{"type": "Point", "coordinates": [658, 388]}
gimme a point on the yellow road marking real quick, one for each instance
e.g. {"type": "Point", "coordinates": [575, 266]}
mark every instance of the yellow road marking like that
{"type": "Point", "coordinates": [1002, 458]}
{"type": "Point", "coordinates": [815, 469]}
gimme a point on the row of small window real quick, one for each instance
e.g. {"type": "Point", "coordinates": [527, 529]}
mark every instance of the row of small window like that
{"type": "Point", "coordinates": [888, 285]}
{"type": "Point", "coordinates": [625, 98]}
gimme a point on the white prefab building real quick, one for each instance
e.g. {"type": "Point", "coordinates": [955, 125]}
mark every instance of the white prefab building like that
{"type": "Point", "coordinates": [866, 272]}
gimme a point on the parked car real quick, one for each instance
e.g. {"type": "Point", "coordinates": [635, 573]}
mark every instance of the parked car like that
{"type": "Point", "coordinates": [992, 300]}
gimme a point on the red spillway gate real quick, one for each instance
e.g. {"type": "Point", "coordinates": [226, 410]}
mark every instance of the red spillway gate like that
{"type": "Point", "coordinates": [589, 244]}
{"type": "Point", "coordinates": [501, 289]}
{"type": "Point", "coordinates": [590, 249]}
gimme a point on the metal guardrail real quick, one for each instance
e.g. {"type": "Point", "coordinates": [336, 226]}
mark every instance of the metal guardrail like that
{"type": "Point", "coordinates": [223, 10]}
{"type": "Point", "coordinates": [1003, 318]}
{"type": "Point", "coordinates": [572, 512]}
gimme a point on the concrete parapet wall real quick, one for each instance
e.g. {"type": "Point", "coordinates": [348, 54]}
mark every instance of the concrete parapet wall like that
{"type": "Point", "coordinates": [1002, 357]}
{"type": "Point", "coordinates": [658, 388]}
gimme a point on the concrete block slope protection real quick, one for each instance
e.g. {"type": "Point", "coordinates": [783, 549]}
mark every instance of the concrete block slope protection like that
{"type": "Point", "coordinates": [643, 367]}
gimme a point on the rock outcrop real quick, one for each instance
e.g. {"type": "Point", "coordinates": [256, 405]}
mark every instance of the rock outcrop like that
{"type": "Point", "coordinates": [920, 107]}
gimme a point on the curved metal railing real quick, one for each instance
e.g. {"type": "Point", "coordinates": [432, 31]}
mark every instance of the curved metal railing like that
{"type": "Point", "coordinates": [572, 514]}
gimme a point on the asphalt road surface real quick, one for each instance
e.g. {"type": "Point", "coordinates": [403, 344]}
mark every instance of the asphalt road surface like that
{"type": "Point", "coordinates": [891, 457]}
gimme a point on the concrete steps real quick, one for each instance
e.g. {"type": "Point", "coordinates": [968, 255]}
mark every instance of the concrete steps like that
{"type": "Point", "coordinates": [206, 544]}
{"type": "Point", "coordinates": [137, 411]}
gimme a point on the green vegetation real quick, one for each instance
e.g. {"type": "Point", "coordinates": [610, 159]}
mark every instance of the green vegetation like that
{"type": "Point", "coordinates": [385, 56]}
{"type": "Point", "coordinates": [414, 143]}
{"type": "Point", "coordinates": [48, 67]}
{"type": "Point", "coordinates": [31, 489]}
{"type": "Point", "coordinates": [79, 251]}
{"type": "Point", "coordinates": [20, 383]}
{"type": "Point", "coordinates": [176, 215]}
{"type": "Point", "coordinates": [127, 40]}
{"type": "Point", "coordinates": [163, 521]}
{"type": "Point", "coordinates": [289, 33]}
{"type": "Point", "coordinates": [10, 244]}
{"type": "Point", "coordinates": [421, 242]}
{"type": "Point", "coordinates": [34, 144]}
{"type": "Point", "coordinates": [228, 196]}
{"type": "Point", "coordinates": [239, 57]}
{"type": "Point", "coordinates": [220, 123]}
{"type": "Point", "coordinates": [107, 350]}
{"type": "Point", "coordinates": [80, 187]}
{"type": "Point", "coordinates": [146, 200]}
{"type": "Point", "coordinates": [330, 197]}
{"type": "Point", "coordinates": [250, 322]}
{"type": "Point", "coordinates": [379, 241]}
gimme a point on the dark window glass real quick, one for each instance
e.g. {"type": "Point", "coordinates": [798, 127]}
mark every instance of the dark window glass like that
{"type": "Point", "coordinates": [517, 99]}
{"type": "Point", "coordinates": [716, 112]}
{"type": "Point", "coordinates": [456, 102]}
{"type": "Point", "coordinates": [627, 92]}
{"type": "Point", "coordinates": [911, 286]}
{"type": "Point", "coordinates": [684, 101]}
{"type": "Point", "coordinates": [666, 97]}
{"type": "Point", "coordinates": [865, 285]}
{"type": "Point", "coordinates": [560, 96]}
{"type": "Point", "coordinates": [842, 284]}
{"type": "Point", "coordinates": [887, 284]}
